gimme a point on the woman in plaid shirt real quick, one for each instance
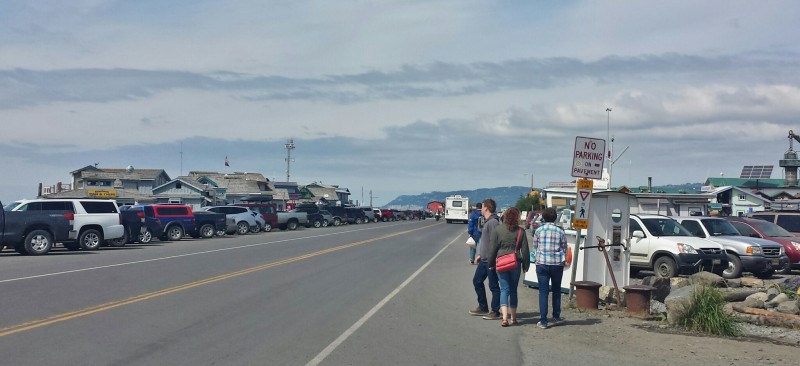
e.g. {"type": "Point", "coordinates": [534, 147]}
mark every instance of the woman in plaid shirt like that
{"type": "Point", "coordinates": [550, 246]}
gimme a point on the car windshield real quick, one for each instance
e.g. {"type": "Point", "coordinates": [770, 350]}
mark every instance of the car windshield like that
{"type": "Point", "coordinates": [720, 227]}
{"type": "Point", "coordinates": [10, 206]}
{"type": "Point", "coordinates": [665, 227]}
{"type": "Point", "coordinates": [770, 229]}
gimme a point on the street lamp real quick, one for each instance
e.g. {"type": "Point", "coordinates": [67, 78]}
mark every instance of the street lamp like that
{"type": "Point", "coordinates": [531, 174]}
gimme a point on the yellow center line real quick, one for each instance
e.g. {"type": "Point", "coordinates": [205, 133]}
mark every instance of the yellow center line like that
{"type": "Point", "coordinates": [150, 295]}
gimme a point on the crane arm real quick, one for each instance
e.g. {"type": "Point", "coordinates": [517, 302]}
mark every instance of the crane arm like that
{"type": "Point", "coordinates": [793, 136]}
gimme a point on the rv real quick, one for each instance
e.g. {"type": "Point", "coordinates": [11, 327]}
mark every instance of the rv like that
{"type": "Point", "coordinates": [456, 208]}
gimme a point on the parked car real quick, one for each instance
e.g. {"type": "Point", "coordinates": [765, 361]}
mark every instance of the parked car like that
{"type": "Point", "coordinates": [327, 218]}
{"type": "Point", "coordinates": [355, 215]}
{"type": "Point", "coordinates": [242, 217]}
{"type": "Point", "coordinates": [150, 226]}
{"type": "Point", "coordinates": [34, 232]}
{"type": "Point", "coordinates": [175, 220]}
{"type": "Point", "coordinates": [758, 228]}
{"type": "Point", "coordinates": [207, 224]}
{"type": "Point", "coordinates": [370, 214]}
{"type": "Point", "coordinates": [387, 215]}
{"type": "Point", "coordinates": [268, 211]}
{"type": "Point", "coordinates": [378, 214]}
{"type": "Point", "coordinates": [661, 244]}
{"type": "Point", "coordinates": [339, 215]}
{"type": "Point", "coordinates": [745, 254]}
{"type": "Point", "coordinates": [785, 219]}
{"type": "Point", "coordinates": [96, 220]}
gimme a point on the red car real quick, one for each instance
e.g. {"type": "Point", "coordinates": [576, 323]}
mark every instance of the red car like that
{"type": "Point", "coordinates": [763, 229]}
{"type": "Point", "coordinates": [387, 215]}
{"type": "Point", "coordinates": [267, 212]}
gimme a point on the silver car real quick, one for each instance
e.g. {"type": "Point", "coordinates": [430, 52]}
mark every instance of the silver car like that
{"type": "Point", "coordinates": [243, 217]}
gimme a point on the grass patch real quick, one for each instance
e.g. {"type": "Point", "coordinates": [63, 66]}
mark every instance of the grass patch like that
{"type": "Point", "coordinates": [705, 314]}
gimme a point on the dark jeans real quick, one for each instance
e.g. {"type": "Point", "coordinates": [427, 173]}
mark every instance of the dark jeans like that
{"type": "Point", "coordinates": [481, 273]}
{"type": "Point", "coordinates": [549, 278]}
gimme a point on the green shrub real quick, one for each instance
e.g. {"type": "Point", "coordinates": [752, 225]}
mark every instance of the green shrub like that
{"type": "Point", "coordinates": [705, 314]}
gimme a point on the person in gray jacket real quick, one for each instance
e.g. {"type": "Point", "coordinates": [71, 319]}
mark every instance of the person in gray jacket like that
{"type": "Point", "coordinates": [482, 271]}
{"type": "Point", "coordinates": [506, 239]}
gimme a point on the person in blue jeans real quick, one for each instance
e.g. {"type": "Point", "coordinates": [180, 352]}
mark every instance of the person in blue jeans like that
{"type": "Point", "coordinates": [510, 238]}
{"type": "Point", "coordinates": [482, 271]}
{"type": "Point", "coordinates": [550, 246]}
{"type": "Point", "coordinates": [474, 226]}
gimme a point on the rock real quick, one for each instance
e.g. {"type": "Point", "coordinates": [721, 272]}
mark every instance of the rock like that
{"type": "Point", "coordinates": [707, 278]}
{"type": "Point", "coordinates": [657, 307]}
{"type": "Point", "coordinates": [737, 294]}
{"type": "Point", "coordinates": [678, 282]}
{"type": "Point", "coordinates": [608, 295]}
{"type": "Point", "coordinates": [734, 282]}
{"type": "Point", "coordinates": [677, 302]}
{"type": "Point", "coordinates": [663, 287]}
{"type": "Point", "coordinates": [772, 292]}
{"type": "Point", "coordinates": [755, 303]}
{"type": "Point", "coordinates": [789, 307]}
{"type": "Point", "coordinates": [752, 282]}
{"type": "Point", "coordinates": [759, 296]}
{"type": "Point", "coordinates": [778, 299]}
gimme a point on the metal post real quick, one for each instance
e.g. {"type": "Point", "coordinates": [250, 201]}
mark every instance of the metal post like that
{"type": "Point", "coordinates": [289, 146]}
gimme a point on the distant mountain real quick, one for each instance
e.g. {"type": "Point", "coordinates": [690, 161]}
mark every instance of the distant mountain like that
{"type": "Point", "coordinates": [504, 196]}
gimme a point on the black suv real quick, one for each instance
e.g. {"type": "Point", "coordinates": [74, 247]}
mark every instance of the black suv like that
{"type": "Point", "coordinates": [355, 215]}
{"type": "Point", "coordinates": [339, 214]}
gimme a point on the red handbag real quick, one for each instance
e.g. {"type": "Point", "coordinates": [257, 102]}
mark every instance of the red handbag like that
{"type": "Point", "coordinates": [507, 262]}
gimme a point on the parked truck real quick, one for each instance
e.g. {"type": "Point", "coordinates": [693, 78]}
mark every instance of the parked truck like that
{"type": "Point", "coordinates": [34, 232]}
{"type": "Point", "coordinates": [291, 219]}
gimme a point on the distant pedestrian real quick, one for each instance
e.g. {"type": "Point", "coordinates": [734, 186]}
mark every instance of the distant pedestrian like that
{"type": "Point", "coordinates": [474, 227]}
{"type": "Point", "coordinates": [506, 239]}
{"type": "Point", "coordinates": [550, 248]}
{"type": "Point", "coordinates": [482, 271]}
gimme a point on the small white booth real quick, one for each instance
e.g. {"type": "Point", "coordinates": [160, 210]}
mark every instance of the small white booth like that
{"type": "Point", "coordinates": [608, 219]}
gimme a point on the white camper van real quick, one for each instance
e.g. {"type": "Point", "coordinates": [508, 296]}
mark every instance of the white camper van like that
{"type": "Point", "coordinates": [456, 208]}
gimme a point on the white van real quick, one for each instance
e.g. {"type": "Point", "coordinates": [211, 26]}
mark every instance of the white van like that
{"type": "Point", "coordinates": [456, 208]}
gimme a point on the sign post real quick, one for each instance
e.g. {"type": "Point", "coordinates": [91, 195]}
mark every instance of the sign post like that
{"type": "Point", "coordinates": [587, 164]}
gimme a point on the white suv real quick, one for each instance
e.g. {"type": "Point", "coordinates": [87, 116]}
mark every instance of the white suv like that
{"type": "Point", "coordinates": [95, 221]}
{"type": "Point", "coordinates": [661, 244]}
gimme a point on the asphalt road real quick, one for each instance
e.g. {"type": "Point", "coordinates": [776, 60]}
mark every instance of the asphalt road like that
{"type": "Point", "coordinates": [385, 293]}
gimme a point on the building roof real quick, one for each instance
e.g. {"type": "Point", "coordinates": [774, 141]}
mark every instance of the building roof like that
{"type": "Point", "coordinates": [236, 183]}
{"type": "Point", "coordinates": [755, 195]}
{"type": "Point", "coordinates": [741, 182]}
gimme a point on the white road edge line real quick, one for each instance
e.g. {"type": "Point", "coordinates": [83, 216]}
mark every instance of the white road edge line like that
{"type": "Point", "coordinates": [182, 255]}
{"type": "Point", "coordinates": [350, 331]}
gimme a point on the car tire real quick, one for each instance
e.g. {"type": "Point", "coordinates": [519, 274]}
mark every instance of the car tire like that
{"type": "Point", "coordinates": [734, 269]}
{"type": "Point", "coordinates": [337, 221]}
{"type": "Point", "coordinates": [325, 223]}
{"type": "Point", "coordinates": [358, 220]}
{"type": "Point", "coordinates": [90, 239]}
{"type": "Point", "coordinates": [255, 229]}
{"type": "Point", "coordinates": [38, 242]}
{"type": "Point", "coordinates": [665, 267]}
{"type": "Point", "coordinates": [291, 225]}
{"type": "Point", "coordinates": [146, 237]}
{"type": "Point", "coordinates": [175, 233]}
{"type": "Point", "coordinates": [242, 227]}
{"type": "Point", "coordinates": [119, 242]}
{"type": "Point", "coordinates": [317, 224]}
{"type": "Point", "coordinates": [207, 231]}
{"type": "Point", "coordinates": [787, 270]}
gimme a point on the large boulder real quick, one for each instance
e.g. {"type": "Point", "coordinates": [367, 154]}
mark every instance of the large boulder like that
{"type": "Point", "coordinates": [608, 295]}
{"type": "Point", "coordinates": [657, 307]}
{"type": "Point", "coordinates": [753, 303]}
{"type": "Point", "coordinates": [678, 302]}
{"type": "Point", "coordinates": [759, 296]}
{"type": "Point", "coordinates": [734, 282]}
{"type": "Point", "coordinates": [789, 307]}
{"type": "Point", "coordinates": [737, 294]}
{"type": "Point", "coordinates": [663, 287]}
{"type": "Point", "coordinates": [772, 292]}
{"type": "Point", "coordinates": [707, 279]}
{"type": "Point", "coordinates": [777, 300]}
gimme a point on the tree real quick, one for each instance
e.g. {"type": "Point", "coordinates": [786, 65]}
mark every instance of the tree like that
{"type": "Point", "coordinates": [530, 202]}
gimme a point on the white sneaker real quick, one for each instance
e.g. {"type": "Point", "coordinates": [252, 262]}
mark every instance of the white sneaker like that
{"type": "Point", "coordinates": [540, 325]}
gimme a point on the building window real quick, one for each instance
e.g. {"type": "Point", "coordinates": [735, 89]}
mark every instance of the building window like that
{"type": "Point", "coordinates": [178, 185]}
{"type": "Point", "coordinates": [742, 197]}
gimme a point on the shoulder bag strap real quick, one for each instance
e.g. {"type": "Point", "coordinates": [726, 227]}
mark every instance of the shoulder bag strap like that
{"type": "Point", "coordinates": [519, 235]}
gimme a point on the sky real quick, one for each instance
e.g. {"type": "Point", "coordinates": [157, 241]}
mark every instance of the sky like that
{"type": "Point", "coordinates": [396, 97]}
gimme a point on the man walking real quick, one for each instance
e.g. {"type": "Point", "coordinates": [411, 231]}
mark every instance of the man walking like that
{"type": "Point", "coordinates": [482, 271]}
{"type": "Point", "coordinates": [550, 246]}
{"type": "Point", "coordinates": [474, 227]}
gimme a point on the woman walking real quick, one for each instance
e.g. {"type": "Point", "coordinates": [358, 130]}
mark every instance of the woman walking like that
{"type": "Point", "coordinates": [509, 238]}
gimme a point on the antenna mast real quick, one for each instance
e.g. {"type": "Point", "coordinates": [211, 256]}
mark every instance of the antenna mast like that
{"type": "Point", "coordinates": [289, 147]}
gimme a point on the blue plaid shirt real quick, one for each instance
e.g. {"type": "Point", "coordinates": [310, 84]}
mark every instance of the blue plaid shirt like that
{"type": "Point", "coordinates": [550, 245]}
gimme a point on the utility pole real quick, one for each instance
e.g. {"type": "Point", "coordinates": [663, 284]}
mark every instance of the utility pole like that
{"type": "Point", "coordinates": [371, 197]}
{"type": "Point", "coordinates": [289, 147]}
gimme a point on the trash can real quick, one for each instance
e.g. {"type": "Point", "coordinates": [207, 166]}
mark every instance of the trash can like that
{"type": "Point", "coordinates": [587, 294]}
{"type": "Point", "coordinates": [638, 300]}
